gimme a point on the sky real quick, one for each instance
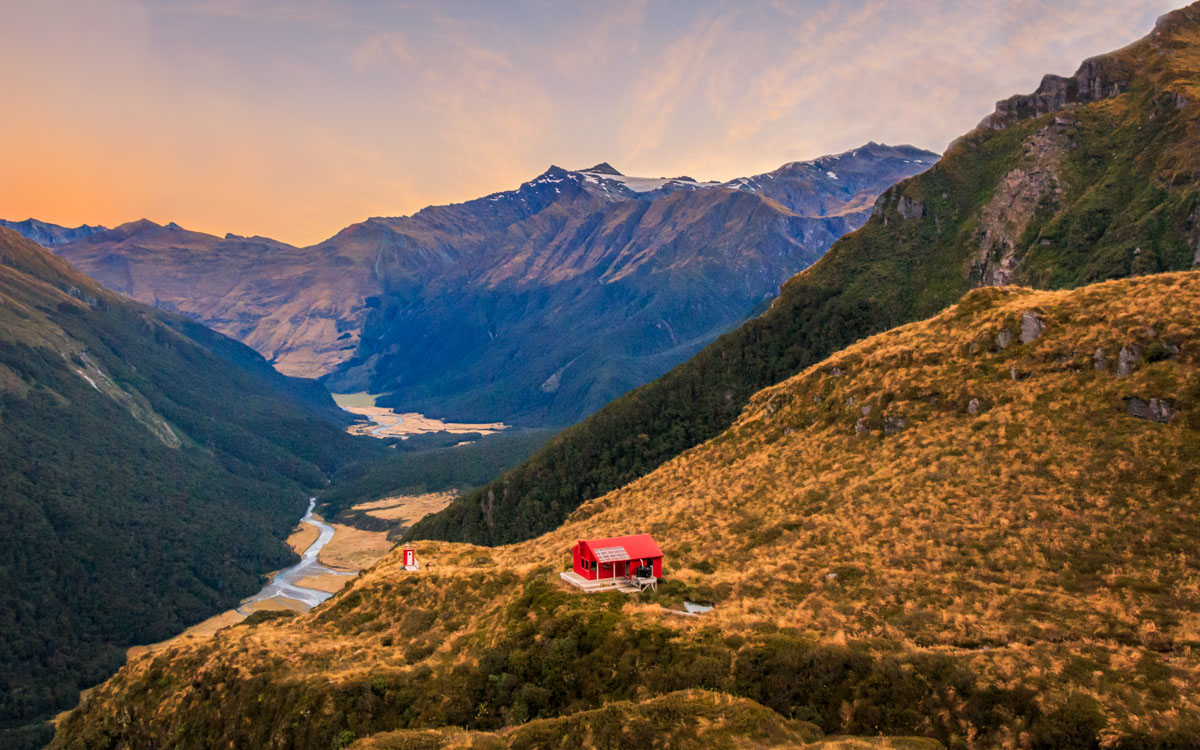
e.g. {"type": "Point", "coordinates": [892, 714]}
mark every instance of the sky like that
{"type": "Point", "coordinates": [294, 119]}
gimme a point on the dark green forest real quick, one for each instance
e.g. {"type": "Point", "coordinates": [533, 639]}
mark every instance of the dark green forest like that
{"type": "Point", "coordinates": [429, 463]}
{"type": "Point", "coordinates": [895, 270]}
{"type": "Point", "coordinates": [112, 536]}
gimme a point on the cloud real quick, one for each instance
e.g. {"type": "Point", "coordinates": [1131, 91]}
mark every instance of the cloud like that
{"type": "Point", "coordinates": [380, 49]}
{"type": "Point", "coordinates": [251, 10]}
{"type": "Point", "coordinates": [665, 84]}
{"type": "Point", "coordinates": [782, 81]}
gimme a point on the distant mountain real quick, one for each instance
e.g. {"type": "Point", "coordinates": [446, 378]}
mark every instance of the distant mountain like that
{"type": "Point", "coordinates": [1092, 177]}
{"type": "Point", "coordinates": [149, 471]}
{"type": "Point", "coordinates": [535, 305]}
{"type": "Point", "coordinates": [541, 304]}
{"type": "Point", "coordinates": [49, 235]}
{"type": "Point", "coordinates": [295, 306]}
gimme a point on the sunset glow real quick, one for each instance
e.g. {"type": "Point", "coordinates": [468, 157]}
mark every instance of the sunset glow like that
{"type": "Point", "coordinates": [292, 120]}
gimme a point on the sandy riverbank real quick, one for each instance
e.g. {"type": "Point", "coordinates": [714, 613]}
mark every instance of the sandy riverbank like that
{"type": "Point", "coordinates": [388, 423]}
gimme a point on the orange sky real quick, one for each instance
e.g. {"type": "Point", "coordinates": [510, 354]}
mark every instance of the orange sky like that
{"type": "Point", "coordinates": [294, 119]}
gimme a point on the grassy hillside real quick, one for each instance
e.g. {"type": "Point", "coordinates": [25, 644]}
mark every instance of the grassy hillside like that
{"type": "Point", "coordinates": [687, 719]}
{"type": "Point", "coordinates": [1057, 189]}
{"type": "Point", "coordinates": [977, 529]}
{"type": "Point", "coordinates": [149, 470]}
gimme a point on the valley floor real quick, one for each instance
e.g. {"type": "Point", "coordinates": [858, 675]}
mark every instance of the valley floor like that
{"type": "Point", "coordinates": [387, 423]}
{"type": "Point", "coordinates": [350, 550]}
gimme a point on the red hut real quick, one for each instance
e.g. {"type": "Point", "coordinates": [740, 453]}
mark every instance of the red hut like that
{"type": "Point", "coordinates": [618, 561]}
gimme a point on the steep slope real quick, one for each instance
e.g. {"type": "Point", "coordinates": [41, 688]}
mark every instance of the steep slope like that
{"type": "Point", "coordinates": [537, 305]}
{"type": "Point", "coordinates": [1104, 186]}
{"type": "Point", "coordinates": [297, 307]}
{"type": "Point", "coordinates": [978, 528]}
{"type": "Point", "coordinates": [149, 469]}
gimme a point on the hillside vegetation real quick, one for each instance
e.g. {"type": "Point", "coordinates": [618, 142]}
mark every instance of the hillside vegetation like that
{"type": "Point", "coordinates": [1093, 177]}
{"type": "Point", "coordinates": [149, 471]}
{"type": "Point", "coordinates": [978, 529]}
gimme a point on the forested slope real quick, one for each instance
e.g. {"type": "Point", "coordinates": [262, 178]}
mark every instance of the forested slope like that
{"type": "Point", "coordinates": [149, 470]}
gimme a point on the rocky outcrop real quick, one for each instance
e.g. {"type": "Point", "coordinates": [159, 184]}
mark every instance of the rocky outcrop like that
{"type": "Point", "coordinates": [1128, 359]}
{"type": "Point", "coordinates": [1155, 409]}
{"type": "Point", "coordinates": [1098, 78]}
{"type": "Point", "coordinates": [1194, 227]}
{"type": "Point", "coordinates": [1032, 326]}
{"type": "Point", "coordinates": [909, 208]}
{"type": "Point", "coordinates": [1004, 219]}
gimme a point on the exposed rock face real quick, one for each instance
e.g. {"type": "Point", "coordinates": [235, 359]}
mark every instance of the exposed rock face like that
{"type": "Point", "coordinates": [1032, 326]}
{"type": "Point", "coordinates": [1100, 359]}
{"type": "Point", "coordinates": [1004, 219]}
{"type": "Point", "coordinates": [909, 208]}
{"type": "Point", "coordinates": [892, 425]}
{"type": "Point", "coordinates": [1097, 78]}
{"type": "Point", "coordinates": [1128, 359]}
{"type": "Point", "coordinates": [1156, 409]}
{"type": "Point", "coordinates": [973, 406]}
{"type": "Point", "coordinates": [1195, 227]}
{"type": "Point", "coordinates": [1003, 339]}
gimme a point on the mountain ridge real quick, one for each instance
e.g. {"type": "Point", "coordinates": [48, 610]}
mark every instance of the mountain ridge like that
{"type": "Point", "coordinates": [430, 309]}
{"type": "Point", "coordinates": [49, 235]}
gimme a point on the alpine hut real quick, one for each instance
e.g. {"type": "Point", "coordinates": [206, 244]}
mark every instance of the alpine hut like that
{"type": "Point", "coordinates": [625, 562]}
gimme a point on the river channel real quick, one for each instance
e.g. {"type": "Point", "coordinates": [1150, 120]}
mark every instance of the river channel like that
{"type": "Point", "coordinates": [283, 584]}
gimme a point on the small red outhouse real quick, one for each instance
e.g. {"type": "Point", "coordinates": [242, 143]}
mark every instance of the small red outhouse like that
{"type": "Point", "coordinates": [617, 557]}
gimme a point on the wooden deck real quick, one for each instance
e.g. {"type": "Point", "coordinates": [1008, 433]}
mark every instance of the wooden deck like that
{"type": "Point", "coordinates": [627, 585]}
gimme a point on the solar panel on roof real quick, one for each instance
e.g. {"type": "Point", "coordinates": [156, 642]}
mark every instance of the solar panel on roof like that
{"type": "Point", "coordinates": [611, 554]}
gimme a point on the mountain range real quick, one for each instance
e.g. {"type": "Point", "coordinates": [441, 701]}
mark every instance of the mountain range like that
{"type": "Point", "coordinates": [536, 305]}
{"type": "Point", "coordinates": [1092, 177]}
